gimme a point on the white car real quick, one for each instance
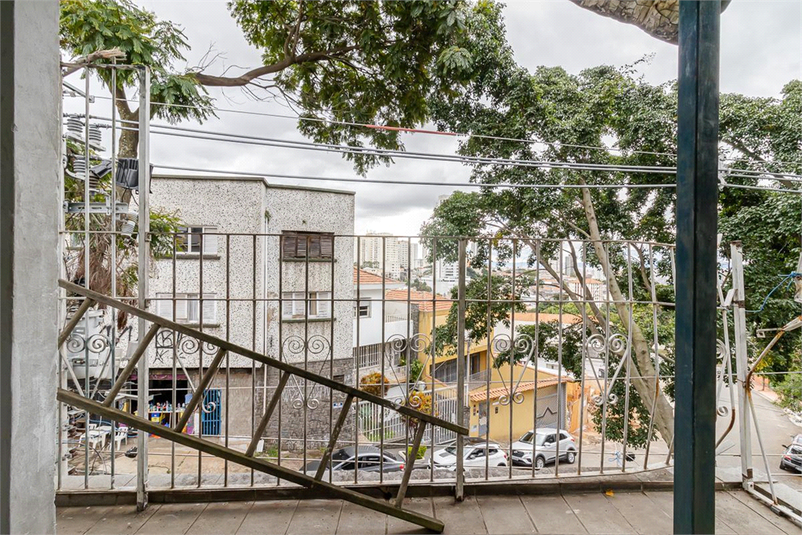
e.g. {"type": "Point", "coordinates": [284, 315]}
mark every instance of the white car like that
{"type": "Point", "coordinates": [477, 453]}
{"type": "Point", "coordinates": [541, 446]}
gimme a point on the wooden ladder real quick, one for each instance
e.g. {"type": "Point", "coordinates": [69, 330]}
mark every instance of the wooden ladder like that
{"type": "Point", "coordinates": [247, 459]}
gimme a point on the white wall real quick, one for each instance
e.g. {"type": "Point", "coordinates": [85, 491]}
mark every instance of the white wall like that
{"type": "Point", "coordinates": [311, 210]}
{"type": "Point", "coordinates": [233, 206]}
{"type": "Point", "coordinates": [29, 265]}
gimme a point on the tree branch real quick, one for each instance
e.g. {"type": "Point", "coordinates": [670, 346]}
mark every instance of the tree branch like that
{"type": "Point", "coordinates": [80, 63]}
{"type": "Point", "coordinates": [246, 78]}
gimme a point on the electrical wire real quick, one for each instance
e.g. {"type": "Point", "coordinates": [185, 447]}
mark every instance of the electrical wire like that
{"type": "Point", "coordinates": [444, 133]}
{"type": "Point", "coordinates": [347, 149]}
{"type": "Point", "coordinates": [370, 151]}
{"type": "Point", "coordinates": [446, 184]}
{"type": "Point", "coordinates": [402, 129]}
{"type": "Point", "coordinates": [787, 279]}
{"type": "Point", "coordinates": [409, 182]}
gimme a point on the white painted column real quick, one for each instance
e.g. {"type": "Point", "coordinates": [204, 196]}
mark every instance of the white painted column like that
{"type": "Point", "coordinates": [29, 209]}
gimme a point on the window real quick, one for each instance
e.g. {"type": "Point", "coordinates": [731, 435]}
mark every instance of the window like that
{"type": "Point", "coordinates": [564, 436]}
{"type": "Point", "coordinates": [188, 308]}
{"type": "Point", "coordinates": [478, 452]}
{"type": "Point", "coordinates": [362, 308]}
{"type": "Point", "coordinates": [446, 371]}
{"type": "Point", "coordinates": [294, 305]}
{"type": "Point", "coordinates": [191, 240]}
{"type": "Point", "coordinates": [369, 461]}
{"type": "Point", "coordinates": [302, 245]}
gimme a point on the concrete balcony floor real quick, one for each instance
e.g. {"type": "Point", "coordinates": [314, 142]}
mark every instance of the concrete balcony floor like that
{"type": "Point", "coordinates": [592, 513]}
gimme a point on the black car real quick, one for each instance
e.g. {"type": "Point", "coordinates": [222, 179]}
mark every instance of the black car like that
{"type": "Point", "coordinates": [368, 460]}
{"type": "Point", "coordinates": [792, 458]}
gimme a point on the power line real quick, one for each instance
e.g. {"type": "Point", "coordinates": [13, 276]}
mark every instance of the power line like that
{"type": "Point", "coordinates": [345, 149]}
{"type": "Point", "coordinates": [443, 133]}
{"type": "Point", "coordinates": [448, 184]}
{"type": "Point", "coordinates": [329, 147]}
{"type": "Point", "coordinates": [411, 182]}
{"type": "Point", "coordinates": [323, 147]}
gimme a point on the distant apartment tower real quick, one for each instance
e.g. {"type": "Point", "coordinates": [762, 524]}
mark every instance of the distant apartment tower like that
{"type": "Point", "coordinates": [384, 254]}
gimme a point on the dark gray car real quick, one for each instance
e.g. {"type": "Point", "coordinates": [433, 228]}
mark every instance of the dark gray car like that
{"type": "Point", "coordinates": [368, 460]}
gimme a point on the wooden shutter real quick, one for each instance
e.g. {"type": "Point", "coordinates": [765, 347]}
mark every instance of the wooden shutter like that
{"type": "Point", "coordinates": [289, 245]}
{"type": "Point", "coordinates": [326, 246]}
{"type": "Point", "coordinates": [314, 246]}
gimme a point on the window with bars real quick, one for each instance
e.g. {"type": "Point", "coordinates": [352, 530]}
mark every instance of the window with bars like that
{"type": "Point", "coordinates": [188, 308]}
{"type": "Point", "coordinates": [362, 309]}
{"type": "Point", "coordinates": [446, 371]}
{"type": "Point", "coordinates": [294, 305]}
{"type": "Point", "coordinates": [196, 240]}
{"type": "Point", "coordinates": [303, 245]}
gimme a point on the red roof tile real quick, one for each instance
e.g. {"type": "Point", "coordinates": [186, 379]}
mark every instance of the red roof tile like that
{"type": "Point", "coordinates": [366, 277]}
{"type": "Point", "coordinates": [423, 300]}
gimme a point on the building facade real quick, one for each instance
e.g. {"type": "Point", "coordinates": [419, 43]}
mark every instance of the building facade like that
{"type": "Point", "coordinates": [262, 266]}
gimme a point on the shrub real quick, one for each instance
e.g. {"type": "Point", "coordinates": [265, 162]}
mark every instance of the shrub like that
{"type": "Point", "coordinates": [375, 384]}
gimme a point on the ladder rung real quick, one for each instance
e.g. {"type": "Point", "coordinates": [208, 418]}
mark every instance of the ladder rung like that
{"type": "Point", "coordinates": [200, 390]}
{"type": "Point", "coordinates": [282, 382]}
{"type": "Point", "coordinates": [335, 433]}
{"type": "Point", "coordinates": [275, 363]}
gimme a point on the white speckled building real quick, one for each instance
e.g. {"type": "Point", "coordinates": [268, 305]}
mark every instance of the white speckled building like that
{"type": "Point", "coordinates": [225, 279]}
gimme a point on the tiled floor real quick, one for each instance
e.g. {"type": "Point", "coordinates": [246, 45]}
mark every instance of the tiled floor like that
{"type": "Point", "coordinates": [621, 512]}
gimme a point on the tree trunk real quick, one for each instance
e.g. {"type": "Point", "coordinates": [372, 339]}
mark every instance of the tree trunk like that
{"type": "Point", "coordinates": [129, 139]}
{"type": "Point", "coordinates": [648, 390]}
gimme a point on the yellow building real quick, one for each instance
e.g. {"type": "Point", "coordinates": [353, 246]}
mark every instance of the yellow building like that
{"type": "Point", "coordinates": [506, 417]}
{"type": "Point", "coordinates": [433, 312]}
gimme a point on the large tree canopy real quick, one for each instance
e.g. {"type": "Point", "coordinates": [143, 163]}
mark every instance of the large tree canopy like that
{"type": "Point", "coordinates": [351, 61]}
{"type": "Point", "coordinates": [348, 60]}
{"type": "Point", "coordinates": [563, 117]}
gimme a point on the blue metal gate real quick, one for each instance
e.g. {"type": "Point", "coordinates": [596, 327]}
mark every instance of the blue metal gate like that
{"type": "Point", "coordinates": [210, 414]}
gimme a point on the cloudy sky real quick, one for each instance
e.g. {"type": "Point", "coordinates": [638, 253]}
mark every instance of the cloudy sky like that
{"type": "Point", "coordinates": [761, 51]}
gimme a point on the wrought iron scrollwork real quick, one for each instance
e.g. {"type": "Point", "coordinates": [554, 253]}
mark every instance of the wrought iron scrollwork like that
{"type": "Point", "coordinates": [521, 351]}
{"type": "Point", "coordinates": [167, 341]}
{"type": "Point", "coordinates": [723, 372]}
{"type": "Point", "coordinates": [316, 346]}
{"type": "Point", "coordinates": [597, 346]}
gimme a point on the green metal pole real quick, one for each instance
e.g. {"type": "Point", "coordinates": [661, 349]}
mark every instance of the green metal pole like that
{"type": "Point", "coordinates": [697, 194]}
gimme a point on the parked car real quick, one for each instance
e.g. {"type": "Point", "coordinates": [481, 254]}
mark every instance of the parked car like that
{"type": "Point", "coordinates": [540, 446]}
{"type": "Point", "coordinates": [792, 458]}
{"type": "Point", "coordinates": [477, 453]}
{"type": "Point", "coordinates": [368, 460]}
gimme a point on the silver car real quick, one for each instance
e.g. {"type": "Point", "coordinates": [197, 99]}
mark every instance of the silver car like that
{"type": "Point", "coordinates": [540, 446]}
{"type": "Point", "coordinates": [477, 453]}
